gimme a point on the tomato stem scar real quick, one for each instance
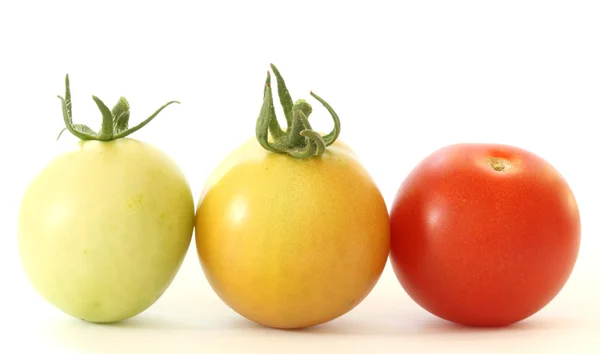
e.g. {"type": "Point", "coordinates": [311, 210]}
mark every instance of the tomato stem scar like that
{"type": "Point", "coordinates": [298, 140]}
{"type": "Point", "coordinates": [115, 122]}
{"type": "Point", "coordinates": [498, 164]}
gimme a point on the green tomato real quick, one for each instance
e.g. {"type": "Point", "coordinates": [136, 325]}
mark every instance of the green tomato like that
{"type": "Point", "coordinates": [104, 228]}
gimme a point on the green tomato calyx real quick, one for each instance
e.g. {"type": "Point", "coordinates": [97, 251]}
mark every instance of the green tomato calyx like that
{"type": "Point", "coordinates": [115, 122]}
{"type": "Point", "coordinates": [299, 140]}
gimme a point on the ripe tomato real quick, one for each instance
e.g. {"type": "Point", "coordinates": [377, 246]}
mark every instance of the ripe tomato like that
{"type": "Point", "coordinates": [104, 227]}
{"type": "Point", "coordinates": [484, 235]}
{"type": "Point", "coordinates": [291, 242]}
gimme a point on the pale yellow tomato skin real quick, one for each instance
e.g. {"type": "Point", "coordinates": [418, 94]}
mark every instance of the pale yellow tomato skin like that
{"type": "Point", "coordinates": [291, 243]}
{"type": "Point", "coordinates": [104, 228]}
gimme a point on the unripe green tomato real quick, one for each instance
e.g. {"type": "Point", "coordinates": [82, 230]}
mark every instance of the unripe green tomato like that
{"type": "Point", "coordinates": [104, 228]}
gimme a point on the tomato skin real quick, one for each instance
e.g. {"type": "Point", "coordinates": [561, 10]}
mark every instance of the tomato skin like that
{"type": "Point", "coordinates": [482, 247]}
{"type": "Point", "coordinates": [290, 243]}
{"type": "Point", "coordinates": [104, 228]}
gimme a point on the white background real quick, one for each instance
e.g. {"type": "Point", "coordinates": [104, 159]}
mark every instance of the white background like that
{"type": "Point", "coordinates": [405, 77]}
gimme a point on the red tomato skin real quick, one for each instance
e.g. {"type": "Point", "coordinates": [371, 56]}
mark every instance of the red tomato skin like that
{"type": "Point", "coordinates": [480, 247]}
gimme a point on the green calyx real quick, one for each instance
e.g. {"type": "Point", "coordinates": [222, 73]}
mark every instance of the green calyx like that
{"type": "Point", "coordinates": [298, 140]}
{"type": "Point", "coordinates": [115, 122]}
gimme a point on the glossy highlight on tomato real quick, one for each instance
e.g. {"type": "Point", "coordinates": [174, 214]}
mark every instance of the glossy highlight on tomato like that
{"type": "Point", "coordinates": [292, 232]}
{"type": "Point", "coordinates": [484, 234]}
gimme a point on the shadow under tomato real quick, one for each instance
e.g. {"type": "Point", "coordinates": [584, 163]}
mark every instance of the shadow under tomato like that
{"type": "Point", "coordinates": [412, 325]}
{"type": "Point", "coordinates": [436, 326]}
{"type": "Point", "coordinates": [213, 327]}
{"type": "Point", "coordinates": [143, 333]}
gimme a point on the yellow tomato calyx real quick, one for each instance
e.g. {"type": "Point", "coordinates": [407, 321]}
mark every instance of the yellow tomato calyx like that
{"type": "Point", "coordinates": [298, 140]}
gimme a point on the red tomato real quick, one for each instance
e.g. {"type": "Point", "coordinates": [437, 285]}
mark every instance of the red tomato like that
{"type": "Point", "coordinates": [484, 235]}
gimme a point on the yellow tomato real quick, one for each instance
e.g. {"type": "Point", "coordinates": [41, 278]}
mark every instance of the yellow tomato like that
{"type": "Point", "coordinates": [288, 242]}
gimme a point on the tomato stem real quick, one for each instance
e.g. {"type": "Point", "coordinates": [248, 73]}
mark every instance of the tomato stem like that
{"type": "Point", "coordinates": [106, 132]}
{"type": "Point", "coordinates": [115, 122]}
{"type": "Point", "coordinates": [299, 139]}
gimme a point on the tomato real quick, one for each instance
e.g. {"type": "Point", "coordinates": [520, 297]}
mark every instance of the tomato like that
{"type": "Point", "coordinates": [104, 227]}
{"type": "Point", "coordinates": [289, 239]}
{"type": "Point", "coordinates": [484, 234]}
